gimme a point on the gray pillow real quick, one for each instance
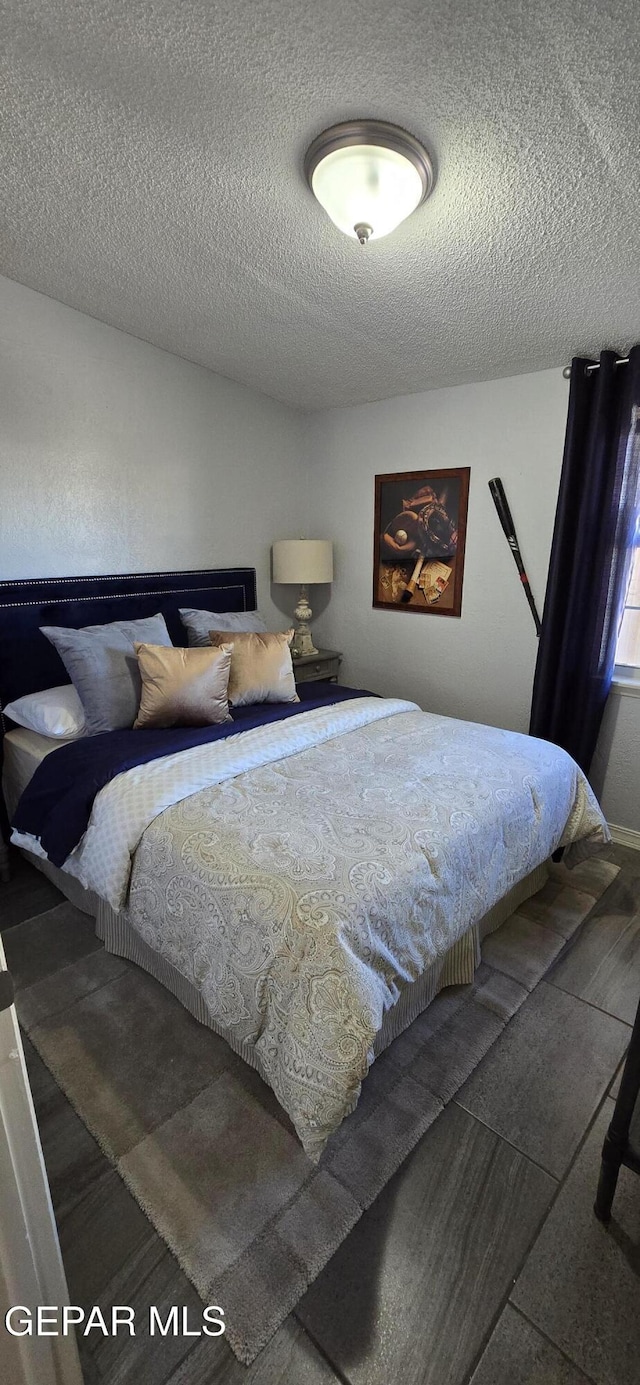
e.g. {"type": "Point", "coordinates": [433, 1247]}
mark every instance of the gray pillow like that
{"type": "Point", "coordinates": [102, 664]}
{"type": "Point", "coordinates": [199, 623]}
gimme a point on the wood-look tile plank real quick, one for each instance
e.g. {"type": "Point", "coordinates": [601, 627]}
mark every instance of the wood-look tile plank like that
{"type": "Point", "coordinates": [581, 1283]}
{"type": "Point", "coordinates": [290, 1358]}
{"type": "Point", "coordinates": [541, 1083]}
{"type": "Point", "coordinates": [409, 1294]}
{"type": "Point", "coordinates": [73, 1159]}
{"type": "Point", "coordinates": [615, 1085]}
{"type": "Point", "coordinates": [151, 1277]}
{"type": "Point", "coordinates": [517, 1354]}
{"type": "Point", "coordinates": [91, 1375]}
{"type": "Point", "coordinates": [100, 1234]}
{"type": "Point", "coordinates": [603, 966]}
{"type": "Point", "coordinates": [42, 1082]}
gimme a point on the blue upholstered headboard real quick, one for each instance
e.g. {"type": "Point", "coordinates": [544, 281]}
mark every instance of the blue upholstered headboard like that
{"type": "Point", "coordinates": [29, 663]}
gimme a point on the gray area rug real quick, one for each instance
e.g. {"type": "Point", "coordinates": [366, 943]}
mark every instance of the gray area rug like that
{"type": "Point", "coordinates": [202, 1142]}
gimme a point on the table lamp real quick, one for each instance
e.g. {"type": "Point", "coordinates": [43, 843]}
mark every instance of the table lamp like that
{"type": "Point", "coordinates": [302, 562]}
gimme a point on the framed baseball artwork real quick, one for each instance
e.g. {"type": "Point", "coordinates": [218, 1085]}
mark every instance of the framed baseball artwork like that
{"type": "Point", "coordinates": [419, 536]}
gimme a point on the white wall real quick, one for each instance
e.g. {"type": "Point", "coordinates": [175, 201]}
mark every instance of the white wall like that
{"type": "Point", "coordinates": [118, 457]}
{"type": "Point", "coordinates": [480, 666]}
{"type": "Point", "coordinates": [615, 771]}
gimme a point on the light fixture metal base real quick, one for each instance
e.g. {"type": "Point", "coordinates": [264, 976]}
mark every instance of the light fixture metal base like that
{"type": "Point", "coordinates": [363, 231]}
{"type": "Point", "coordinates": [379, 132]}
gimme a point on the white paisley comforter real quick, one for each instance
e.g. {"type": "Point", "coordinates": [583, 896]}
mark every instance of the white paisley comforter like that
{"type": "Point", "coordinates": [329, 860]}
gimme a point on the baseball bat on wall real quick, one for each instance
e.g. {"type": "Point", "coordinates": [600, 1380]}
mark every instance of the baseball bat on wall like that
{"type": "Point", "coordinates": [504, 515]}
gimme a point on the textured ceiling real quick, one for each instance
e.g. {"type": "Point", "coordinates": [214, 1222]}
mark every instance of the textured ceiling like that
{"type": "Point", "coordinates": [150, 175]}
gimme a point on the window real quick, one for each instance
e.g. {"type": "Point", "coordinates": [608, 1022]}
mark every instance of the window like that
{"type": "Point", "coordinates": [628, 646]}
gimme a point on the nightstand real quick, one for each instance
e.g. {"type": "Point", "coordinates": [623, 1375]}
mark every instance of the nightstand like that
{"type": "Point", "coordinates": [312, 668]}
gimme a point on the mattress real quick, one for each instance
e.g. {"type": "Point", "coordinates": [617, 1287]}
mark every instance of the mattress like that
{"type": "Point", "coordinates": [23, 752]}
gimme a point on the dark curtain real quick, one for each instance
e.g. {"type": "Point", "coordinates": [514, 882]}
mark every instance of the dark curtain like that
{"type": "Point", "coordinates": [590, 555]}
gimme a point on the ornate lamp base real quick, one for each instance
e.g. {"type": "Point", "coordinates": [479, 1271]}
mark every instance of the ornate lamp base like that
{"type": "Point", "coordinates": [302, 641]}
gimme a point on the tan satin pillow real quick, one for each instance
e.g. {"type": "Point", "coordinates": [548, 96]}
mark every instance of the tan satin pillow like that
{"type": "Point", "coordinates": [261, 667]}
{"type": "Point", "coordinates": [183, 687]}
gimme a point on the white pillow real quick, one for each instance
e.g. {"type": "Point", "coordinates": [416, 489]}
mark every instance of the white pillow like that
{"type": "Point", "coordinates": [55, 712]}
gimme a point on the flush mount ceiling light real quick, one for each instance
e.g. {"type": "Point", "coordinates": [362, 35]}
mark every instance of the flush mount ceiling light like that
{"type": "Point", "coordinates": [369, 176]}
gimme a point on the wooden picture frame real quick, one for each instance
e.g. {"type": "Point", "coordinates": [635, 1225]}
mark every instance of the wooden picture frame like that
{"type": "Point", "coordinates": [420, 529]}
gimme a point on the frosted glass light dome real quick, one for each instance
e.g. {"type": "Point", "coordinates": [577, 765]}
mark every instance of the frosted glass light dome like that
{"type": "Point", "coordinates": [369, 176]}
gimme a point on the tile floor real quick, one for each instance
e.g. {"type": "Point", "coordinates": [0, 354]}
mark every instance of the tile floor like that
{"type": "Point", "coordinates": [481, 1261]}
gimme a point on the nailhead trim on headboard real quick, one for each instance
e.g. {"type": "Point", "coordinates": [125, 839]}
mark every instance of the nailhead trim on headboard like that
{"type": "Point", "coordinates": [111, 596]}
{"type": "Point", "coordinates": [116, 577]}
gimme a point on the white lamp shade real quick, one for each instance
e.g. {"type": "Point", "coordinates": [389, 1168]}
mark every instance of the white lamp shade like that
{"type": "Point", "coordinates": [366, 184]}
{"type": "Point", "coordinates": [302, 561]}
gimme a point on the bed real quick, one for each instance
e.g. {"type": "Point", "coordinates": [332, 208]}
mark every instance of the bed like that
{"type": "Point", "coordinates": [304, 883]}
